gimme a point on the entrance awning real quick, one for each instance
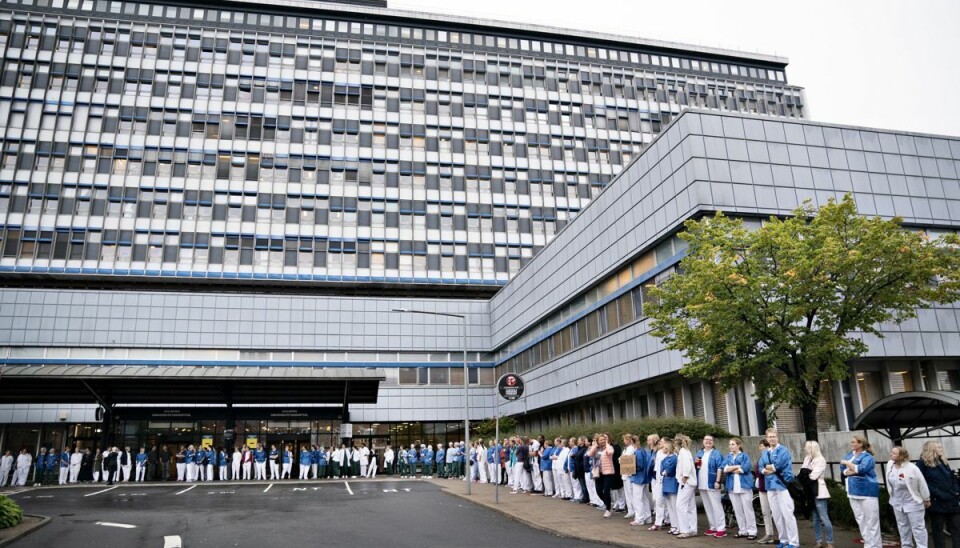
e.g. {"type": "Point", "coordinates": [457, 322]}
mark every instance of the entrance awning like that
{"type": "Point", "coordinates": [913, 414]}
{"type": "Point", "coordinates": [162, 385]}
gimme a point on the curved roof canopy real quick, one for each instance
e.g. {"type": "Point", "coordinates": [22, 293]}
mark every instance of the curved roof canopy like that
{"type": "Point", "coordinates": [913, 414]}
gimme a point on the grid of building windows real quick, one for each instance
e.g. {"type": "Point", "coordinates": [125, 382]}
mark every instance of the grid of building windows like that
{"type": "Point", "coordinates": [164, 140]}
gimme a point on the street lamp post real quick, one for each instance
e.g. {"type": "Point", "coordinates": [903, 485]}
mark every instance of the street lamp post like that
{"type": "Point", "coordinates": [466, 384]}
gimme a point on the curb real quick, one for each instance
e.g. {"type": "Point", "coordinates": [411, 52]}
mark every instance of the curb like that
{"type": "Point", "coordinates": [24, 531]}
{"type": "Point", "coordinates": [537, 526]}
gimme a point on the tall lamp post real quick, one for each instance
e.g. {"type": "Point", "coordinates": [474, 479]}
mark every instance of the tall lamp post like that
{"type": "Point", "coordinates": [466, 384]}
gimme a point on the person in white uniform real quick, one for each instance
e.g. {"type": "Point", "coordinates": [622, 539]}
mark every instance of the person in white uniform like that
{"type": "Point", "coordinates": [659, 500]}
{"type": "Point", "coordinates": [76, 460]}
{"type": "Point", "coordinates": [629, 448]}
{"type": "Point", "coordinates": [6, 465]}
{"type": "Point", "coordinates": [909, 497]}
{"type": "Point", "coordinates": [708, 461]}
{"type": "Point", "coordinates": [686, 497]}
{"type": "Point", "coordinates": [364, 459]}
{"type": "Point", "coordinates": [236, 463]}
{"type": "Point", "coordinates": [24, 460]}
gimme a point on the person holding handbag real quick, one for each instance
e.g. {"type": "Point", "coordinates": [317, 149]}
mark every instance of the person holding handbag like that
{"type": "Point", "coordinates": [863, 490]}
{"type": "Point", "coordinates": [739, 483]}
{"type": "Point", "coordinates": [909, 497]}
{"type": "Point", "coordinates": [815, 465]}
{"type": "Point", "coordinates": [944, 494]}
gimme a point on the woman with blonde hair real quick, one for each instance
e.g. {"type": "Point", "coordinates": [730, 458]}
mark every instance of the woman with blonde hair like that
{"type": "Point", "coordinates": [909, 497]}
{"type": "Point", "coordinates": [737, 469]}
{"type": "Point", "coordinates": [860, 470]}
{"type": "Point", "coordinates": [944, 493]}
{"type": "Point", "coordinates": [686, 496]}
{"type": "Point", "coordinates": [669, 484]}
{"type": "Point", "coordinates": [817, 465]}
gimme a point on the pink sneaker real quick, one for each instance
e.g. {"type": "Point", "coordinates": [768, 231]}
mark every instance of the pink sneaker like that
{"type": "Point", "coordinates": [709, 532]}
{"type": "Point", "coordinates": [720, 534]}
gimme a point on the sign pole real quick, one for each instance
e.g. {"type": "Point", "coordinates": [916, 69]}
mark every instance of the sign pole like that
{"type": "Point", "coordinates": [496, 441]}
{"type": "Point", "coordinates": [510, 388]}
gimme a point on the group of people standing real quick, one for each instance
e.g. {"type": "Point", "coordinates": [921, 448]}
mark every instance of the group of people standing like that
{"type": "Point", "coordinates": [655, 484]}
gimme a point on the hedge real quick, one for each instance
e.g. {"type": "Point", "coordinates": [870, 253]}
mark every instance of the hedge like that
{"type": "Point", "coordinates": [10, 513]}
{"type": "Point", "coordinates": [665, 426]}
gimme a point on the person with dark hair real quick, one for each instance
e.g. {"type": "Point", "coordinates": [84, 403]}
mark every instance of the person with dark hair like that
{"type": "Point", "coordinates": [739, 483]}
{"type": "Point", "coordinates": [163, 462]}
{"type": "Point", "coordinates": [944, 488]}
{"type": "Point", "coordinates": [86, 466]}
{"type": "Point", "coordinates": [863, 490]}
{"type": "Point", "coordinates": [769, 528]}
{"type": "Point", "coordinates": [110, 464]}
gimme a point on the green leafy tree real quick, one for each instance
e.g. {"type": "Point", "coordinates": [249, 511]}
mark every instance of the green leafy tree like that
{"type": "Point", "coordinates": [782, 305]}
{"type": "Point", "coordinates": [487, 428]}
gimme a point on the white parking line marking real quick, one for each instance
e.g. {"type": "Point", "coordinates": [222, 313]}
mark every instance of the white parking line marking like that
{"type": "Point", "coordinates": [104, 491]}
{"type": "Point", "coordinates": [185, 490]}
{"type": "Point", "coordinates": [120, 525]}
{"type": "Point", "coordinates": [172, 541]}
{"type": "Point", "coordinates": [348, 488]}
{"type": "Point", "coordinates": [299, 488]}
{"type": "Point", "coordinates": [407, 489]}
{"type": "Point", "coordinates": [389, 490]}
{"type": "Point", "coordinates": [44, 496]}
{"type": "Point", "coordinates": [268, 488]}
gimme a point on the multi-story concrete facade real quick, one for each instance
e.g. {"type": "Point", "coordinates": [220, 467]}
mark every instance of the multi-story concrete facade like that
{"type": "Point", "coordinates": [186, 189]}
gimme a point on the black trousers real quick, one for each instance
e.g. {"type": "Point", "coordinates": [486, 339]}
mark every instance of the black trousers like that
{"type": "Point", "coordinates": [937, 522]}
{"type": "Point", "coordinates": [604, 484]}
{"type": "Point", "coordinates": [585, 495]}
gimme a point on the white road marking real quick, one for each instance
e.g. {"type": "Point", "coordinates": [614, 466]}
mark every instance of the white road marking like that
{"type": "Point", "coordinates": [172, 541]}
{"type": "Point", "coordinates": [407, 489]}
{"type": "Point", "coordinates": [299, 488]}
{"type": "Point", "coordinates": [268, 488]}
{"type": "Point", "coordinates": [389, 490]}
{"type": "Point", "coordinates": [44, 496]}
{"type": "Point", "coordinates": [104, 491]}
{"type": "Point", "coordinates": [120, 525]}
{"type": "Point", "coordinates": [185, 490]}
{"type": "Point", "coordinates": [348, 488]}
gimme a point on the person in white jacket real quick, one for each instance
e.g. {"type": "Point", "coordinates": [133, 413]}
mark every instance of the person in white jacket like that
{"type": "Point", "coordinates": [76, 459]}
{"type": "Point", "coordinates": [24, 460]}
{"type": "Point", "coordinates": [235, 464]}
{"type": "Point", "coordinates": [686, 497]}
{"type": "Point", "coordinates": [909, 497]}
{"type": "Point", "coordinates": [6, 465]}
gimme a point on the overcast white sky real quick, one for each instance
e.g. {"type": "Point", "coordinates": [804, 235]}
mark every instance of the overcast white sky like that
{"type": "Point", "coordinates": [876, 63]}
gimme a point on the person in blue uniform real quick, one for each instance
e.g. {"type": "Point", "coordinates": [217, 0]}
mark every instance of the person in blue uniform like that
{"type": "Point", "coordinates": [260, 463]}
{"type": "Point", "coordinates": [274, 463]}
{"type": "Point", "coordinates": [859, 469]}
{"type": "Point", "coordinates": [306, 458]}
{"type": "Point", "coordinates": [412, 457]}
{"type": "Point", "coordinates": [223, 461]}
{"type": "Point", "coordinates": [52, 467]}
{"type": "Point", "coordinates": [668, 479]}
{"type": "Point", "coordinates": [322, 459]}
{"type": "Point", "coordinates": [428, 462]}
{"type": "Point", "coordinates": [776, 465]}
{"type": "Point", "coordinates": [40, 466]}
{"type": "Point", "coordinates": [286, 460]}
{"type": "Point", "coordinates": [141, 468]}
{"type": "Point", "coordinates": [64, 466]}
{"type": "Point", "coordinates": [189, 456]}
{"type": "Point", "coordinates": [440, 461]}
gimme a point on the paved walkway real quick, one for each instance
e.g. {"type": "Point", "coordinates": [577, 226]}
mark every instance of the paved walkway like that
{"type": "Point", "coordinates": [582, 522]}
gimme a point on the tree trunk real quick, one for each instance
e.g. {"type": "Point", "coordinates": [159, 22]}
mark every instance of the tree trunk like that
{"type": "Point", "coordinates": [808, 413]}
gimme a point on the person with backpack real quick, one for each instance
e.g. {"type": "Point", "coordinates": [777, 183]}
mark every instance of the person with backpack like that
{"type": "Point", "coordinates": [860, 470]}
{"type": "Point", "coordinates": [815, 489]}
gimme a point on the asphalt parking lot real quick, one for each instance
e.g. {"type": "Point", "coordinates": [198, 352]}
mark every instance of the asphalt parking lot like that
{"type": "Point", "coordinates": [379, 513]}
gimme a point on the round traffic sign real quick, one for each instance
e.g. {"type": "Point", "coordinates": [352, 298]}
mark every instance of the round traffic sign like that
{"type": "Point", "coordinates": [510, 386]}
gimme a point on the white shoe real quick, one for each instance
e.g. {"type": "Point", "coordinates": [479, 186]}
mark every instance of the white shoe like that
{"type": "Point", "coordinates": [606, 514]}
{"type": "Point", "coordinates": [628, 516]}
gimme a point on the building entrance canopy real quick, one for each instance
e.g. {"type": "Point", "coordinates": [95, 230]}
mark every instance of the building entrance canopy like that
{"type": "Point", "coordinates": [913, 415]}
{"type": "Point", "coordinates": [165, 385]}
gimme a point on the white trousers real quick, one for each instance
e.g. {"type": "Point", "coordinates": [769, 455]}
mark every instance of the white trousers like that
{"type": "Point", "coordinates": [236, 470]}
{"type": "Point", "coordinates": [287, 468]}
{"type": "Point", "coordinates": [628, 494]}
{"type": "Point", "coordinates": [313, 471]}
{"type": "Point", "coordinates": [223, 473]}
{"type": "Point", "coordinates": [867, 513]}
{"type": "Point", "coordinates": [246, 470]}
{"type": "Point", "coordinates": [126, 472]}
{"type": "Point", "coordinates": [363, 470]}
{"type": "Point", "coordinates": [912, 528]}
{"type": "Point", "coordinates": [274, 470]}
{"type": "Point", "coordinates": [670, 501]}
{"type": "Point", "coordinates": [484, 478]}
{"type": "Point", "coordinates": [517, 476]}
{"type": "Point", "coordinates": [713, 507]}
{"type": "Point", "coordinates": [781, 505]}
{"type": "Point", "coordinates": [64, 475]}
{"type": "Point", "coordinates": [558, 487]}
{"type": "Point", "coordinates": [22, 475]}
{"type": "Point", "coordinates": [537, 477]}
{"type": "Point", "coordinates": [4, 476]}
{"type": "Point", "coordinates": [572, 485]}
{"type": "Point", "coordinates": [769, 528]}
{"type": "Point", "coordinates": [509, 470]}
{"type": "Point", "coordinates": [304, 471]}
{"type": "Point", "coordinates": [181, 471]}
{"type": "Point", "coordinates": [660, 504]}
{"type": "Point", "coordinates": [192, 471]}
{"type": "Point", "coordinates": [548, 488]}
{"type": "Point", "coordinates": [617, 499]}
{"type": "Point", "coordinates": [743, 509]}
{"type": "Point", "coordinates": [74, 473]}
{"type": "Point", "coordinates": [209, 472]}
{"type": "Point", "coordinates": [640, 502]}
{"type": "Point", "coordinates": [687, 509]}
{"type": "Point", "coordinates": [261, 470]}
{"type": "Point", "coordinates": [493, 472]}
{"type": "Point", "coordinates": [592, 491]}
{"type": "Point", "coordinates": [372, 470]}
{"type": "Point", "coordinates": [141, 471]}
{"type": "Point", "coordinates": [199, 472]}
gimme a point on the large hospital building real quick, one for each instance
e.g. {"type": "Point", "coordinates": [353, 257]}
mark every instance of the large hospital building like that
{"type": "Point", "coordinates": [214, 214]}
